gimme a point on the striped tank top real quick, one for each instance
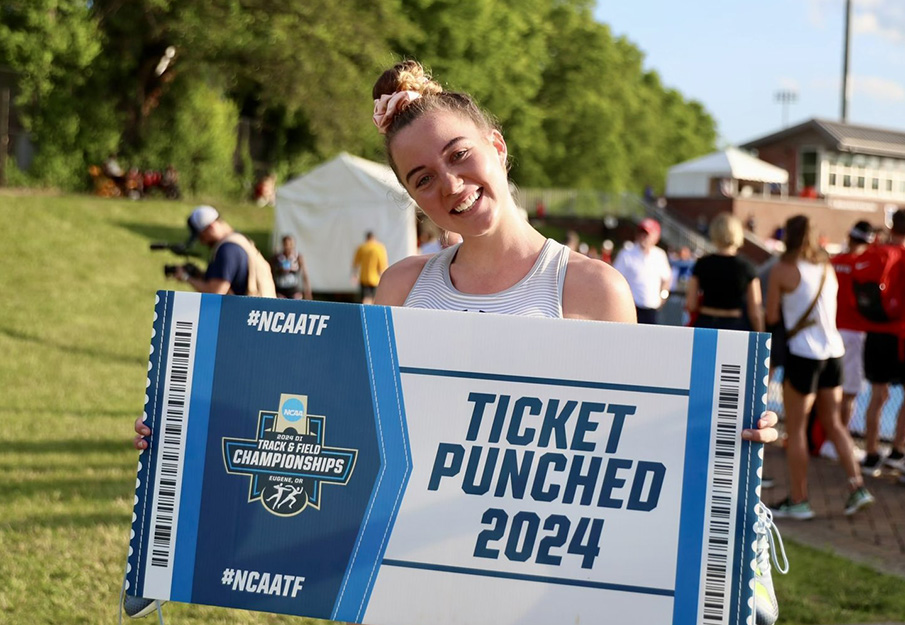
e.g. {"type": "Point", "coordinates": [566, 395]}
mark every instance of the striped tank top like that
{"type": "Point", "coordinates": [538, 294]}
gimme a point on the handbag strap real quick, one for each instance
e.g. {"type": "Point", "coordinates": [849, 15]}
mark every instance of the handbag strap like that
{"type": "Point", "coordinates": [805, 321]}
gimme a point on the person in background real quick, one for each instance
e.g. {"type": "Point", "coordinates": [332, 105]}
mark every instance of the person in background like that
{"type": "Point", "coordinates": [369, 264]}
{"type": "Point", "coordinates": [573, 241]}
{"type": "Point", "coordinates": [848, 320]}
{"type": "Point", "coordinates": [646, 268]}
{"type": "Point", "coordinates": [429, 241]}
{"type": "Point", "coordinates": [169, 182]}
{"type": "Point", "coordinates": [236, 266]}
{"type": "Point", "coordinates": [606, 251]}
{"type": "Point", "coordinates": [265, 192]}
{"type": "Point", "coordinates": [803, 285]}
{"type": "Point", "coordinates": [884, 364]}
{"type": "Point", "coordinates": [723, 291]}
{"type": "Point", "coordinates": [290, 273]}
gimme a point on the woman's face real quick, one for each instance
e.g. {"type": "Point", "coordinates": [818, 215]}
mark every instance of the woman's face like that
{"type": "Point", "coordinates": [454, 170]}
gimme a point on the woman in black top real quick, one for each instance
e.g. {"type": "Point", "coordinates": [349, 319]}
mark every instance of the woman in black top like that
{"type": "Point", "coordinates": [724, 287]}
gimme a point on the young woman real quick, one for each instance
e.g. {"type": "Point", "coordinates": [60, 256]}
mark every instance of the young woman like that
{"type": "Point", "coordinates": [452, 159]}
{"type": "Point", "coordinates": [728, 285]}
{"type": "Point", "coordinates": [802, 285]}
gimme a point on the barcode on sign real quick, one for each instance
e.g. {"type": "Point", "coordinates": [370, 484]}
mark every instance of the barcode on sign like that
{"type": "Point", "coordinates": [719, 520]}
{"type": "Point", "coordinates": [172, 442]}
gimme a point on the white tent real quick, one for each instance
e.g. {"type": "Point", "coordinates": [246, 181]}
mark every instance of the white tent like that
{"type": "Point", "coordinates": [329, 210]}
{"type": "Point", "coordinates": [694, 178]}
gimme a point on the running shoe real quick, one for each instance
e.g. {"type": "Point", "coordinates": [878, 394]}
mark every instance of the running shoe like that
{"type": "Point", "coordinates": [828, 450]}
{"type": "Point", "coordinates": [137, 607]}
{"type": "Point", "coordinates": [895, 460]}
{"type": "Point", "coordinates": [872, 465]}
{"type": "Point", "coordinates": [766, 609]}
{"type": "Point", "coordinates": [860, 498]}
{"type": "Point", "coordinates": [785, 509]}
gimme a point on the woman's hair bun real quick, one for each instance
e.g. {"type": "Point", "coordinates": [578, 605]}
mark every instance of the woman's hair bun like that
{"type": "Point", "coordinates": [406, 76]}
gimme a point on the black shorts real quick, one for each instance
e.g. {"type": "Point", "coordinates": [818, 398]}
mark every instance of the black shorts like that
{"type": "Point", "coordinates": [883, 363]}
{"type": "Point", "coordinates": [289, 293]}
{"type": "Point", "coordinates": [721, 323]}
{"type": "Point", "coordinates": [808, 376]}
{"type": "Point", "coordinates": [368, 291]}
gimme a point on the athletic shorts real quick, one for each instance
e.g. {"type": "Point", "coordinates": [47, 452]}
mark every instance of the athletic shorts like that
{"type": "Point", "coordinates": [721, 323]}
{"type": "Point", "coordinates": [882, 364]}
{"type": "Point", "coordinates": [368, 291]}
{"type": "Point", "coordinates": [289, 293]}
{"type": "Point", "coordinates": [852, 361]}
{"type": "Point", "coordinates": [808, 376]}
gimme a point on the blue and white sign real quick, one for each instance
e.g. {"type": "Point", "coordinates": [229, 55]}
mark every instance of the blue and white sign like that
{"type": "Point", "coordinates": [397, 466]}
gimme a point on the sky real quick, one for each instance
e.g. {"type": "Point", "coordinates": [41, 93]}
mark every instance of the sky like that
{"type": "Point", "coordinates": [733, 56]}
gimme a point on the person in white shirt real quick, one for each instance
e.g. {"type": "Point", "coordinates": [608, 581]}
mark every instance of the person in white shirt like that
{"type": "Point", "coordinates": [646, 268]}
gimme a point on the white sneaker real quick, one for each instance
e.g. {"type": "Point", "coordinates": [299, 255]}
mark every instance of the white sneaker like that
{"type": "Point", "coordinates": [895, 460]}
{"type": "Point", "coordinates": [766, 609]}
{"type": "Point", "coordinates": [828, 450]}
{"type": "Point", "coordinates": [137, 607]}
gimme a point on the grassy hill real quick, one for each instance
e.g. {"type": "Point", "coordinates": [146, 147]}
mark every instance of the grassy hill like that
{"type": "Point", "coordinates": [77, 285]}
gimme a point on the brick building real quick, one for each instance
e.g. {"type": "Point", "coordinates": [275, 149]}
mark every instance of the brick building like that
{"type": "Point", "coordinates": [838, 174]}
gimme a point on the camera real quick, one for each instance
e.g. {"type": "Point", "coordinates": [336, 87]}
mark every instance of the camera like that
{"type": "Point", "coordinates": [193, 270]}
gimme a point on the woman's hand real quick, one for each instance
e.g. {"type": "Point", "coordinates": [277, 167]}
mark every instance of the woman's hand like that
{"type": "Point", "coordinates": [141, 431]}
{"type": "Point", "coordinates": [765, 432]}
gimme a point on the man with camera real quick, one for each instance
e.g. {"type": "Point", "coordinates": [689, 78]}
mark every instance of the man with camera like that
{"type": "Point", "coordinates": [236, 266]}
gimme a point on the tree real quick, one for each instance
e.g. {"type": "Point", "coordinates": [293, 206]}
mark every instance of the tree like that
{"type": "Point", "coordinates": [491, 49]}
{"type": "Point", "coordinates": [51, 45]}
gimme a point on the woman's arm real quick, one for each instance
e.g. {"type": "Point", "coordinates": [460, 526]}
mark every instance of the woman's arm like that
{"type": "Point", "coordinates": [692, 294]}
{"type": "Point", "coordinates": [397, 281]}
{"type": "Point", "coordinates": [774, 293]}
{"type": "Point", "coordinates": [755, 307]}
{"type": "Point", "coordinates": [303, 273]}
{"type": "Point", "coordinates": [594, 290]}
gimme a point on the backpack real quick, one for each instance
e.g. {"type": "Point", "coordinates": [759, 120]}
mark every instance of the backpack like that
{"type": "Point", "coordinates": [878, 281]}
{"type": "Point", "coordinates": [260, 276]}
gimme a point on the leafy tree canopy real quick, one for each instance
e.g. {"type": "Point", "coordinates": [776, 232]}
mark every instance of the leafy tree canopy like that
{"type": "Point", "coordinates": [577, 107]}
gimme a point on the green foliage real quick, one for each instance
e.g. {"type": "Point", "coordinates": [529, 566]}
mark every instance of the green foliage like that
{"type": "Point", "coordinates": [492, 49]}
{"type": "Point", "coordinates": [577, 107]}
{"type": "Point", "coordinates": [195, 131]}
{"type": "Point", "coordinates": [51, 45]}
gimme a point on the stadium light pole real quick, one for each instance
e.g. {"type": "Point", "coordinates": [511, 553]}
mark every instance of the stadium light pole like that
{"type": "Point", "coordinates": [846, 54]}
{"type": "Point", "coordinates": [786, 97]}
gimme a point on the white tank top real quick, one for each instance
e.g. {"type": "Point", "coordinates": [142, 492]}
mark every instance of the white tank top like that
{"type": "Point", "coordinates": [821, 340]}
{"type": "Point", "coordinates": [538, 294]}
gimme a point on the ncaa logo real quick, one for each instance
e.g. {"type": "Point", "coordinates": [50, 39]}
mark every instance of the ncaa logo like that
{"type": "Point", "coordinates": [293, 410]}
{"type": "Point", "coordinates": [293, 414]}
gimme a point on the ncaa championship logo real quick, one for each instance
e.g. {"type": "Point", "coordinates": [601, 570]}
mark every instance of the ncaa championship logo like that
{"type": "Point", "coordinates": [287, 462]}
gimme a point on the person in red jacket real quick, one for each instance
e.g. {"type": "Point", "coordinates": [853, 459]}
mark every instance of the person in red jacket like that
{"type": "Point", "coordinates": [884, 364]}
{"type": "Point", "coordinates": [850, 323]}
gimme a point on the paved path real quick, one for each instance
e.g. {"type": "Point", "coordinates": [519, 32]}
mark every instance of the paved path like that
{"type": "Point", "coordinates": [875, 536]}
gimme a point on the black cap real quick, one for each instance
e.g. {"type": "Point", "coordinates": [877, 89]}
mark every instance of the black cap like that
{"type": "Point", "coordinates": [862, 231]}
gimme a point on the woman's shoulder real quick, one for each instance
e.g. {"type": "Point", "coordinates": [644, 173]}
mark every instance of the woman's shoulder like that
{"type": "Point", "coordinates": [399, 278]}
{"type": "Point", "coordinates": [595, 290]}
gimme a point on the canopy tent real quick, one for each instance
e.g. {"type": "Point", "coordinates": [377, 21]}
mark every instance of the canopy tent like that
{"type": "Point", "coordinates": [695, 178]}
{"type": "Point", "coordinates": [329, 210]}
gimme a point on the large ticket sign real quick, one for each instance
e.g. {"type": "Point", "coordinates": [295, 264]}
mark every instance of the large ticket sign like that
{"type": "Point", "coordinates": [394, 466]}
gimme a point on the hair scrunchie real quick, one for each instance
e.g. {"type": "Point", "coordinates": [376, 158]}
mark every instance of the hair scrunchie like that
{"type": "Point", "coordinates": [386, 107]}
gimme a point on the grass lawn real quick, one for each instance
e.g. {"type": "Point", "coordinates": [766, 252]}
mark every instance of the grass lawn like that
{"type": "Point", "coordinates": [78, 283]}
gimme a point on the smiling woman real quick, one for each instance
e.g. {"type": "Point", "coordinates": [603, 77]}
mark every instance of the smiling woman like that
{"type": "Point", "coordinates": [453, 160]}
